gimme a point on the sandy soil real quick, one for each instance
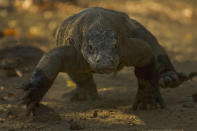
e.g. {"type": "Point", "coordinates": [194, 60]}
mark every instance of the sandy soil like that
{"type": "Point", "coordinates": [173, 23]}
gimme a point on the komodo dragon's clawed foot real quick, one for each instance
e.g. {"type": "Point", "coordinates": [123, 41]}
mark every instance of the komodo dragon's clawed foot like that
{"type": "Point", "coordinates": [148, 97]}
{"type": "Point", "coordinates": [83, 95]}
{"type": "Point", "coordinates": [174, 79]}
{"type": "Point", "coordinates": [31, 98]}
{"type": "Point", "coordinates": [34, 90]}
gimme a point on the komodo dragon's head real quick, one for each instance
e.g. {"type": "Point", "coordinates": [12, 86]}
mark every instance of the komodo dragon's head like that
{"type": "Point", "coordinates": [100, 49]}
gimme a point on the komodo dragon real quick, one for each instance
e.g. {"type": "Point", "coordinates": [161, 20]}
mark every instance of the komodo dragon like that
{"type": "Point", "coordinates": [98, 40]}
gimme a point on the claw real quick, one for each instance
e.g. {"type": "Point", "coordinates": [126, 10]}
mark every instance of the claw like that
{"type": "Point", "coordinates": [25, 86]}
{"type": "Point", "coordinates": [31, 108]}
{"type": "Point", "coordinates": [34, 90]}
{"type": "Point", "coordinates": [161, 102]}
{"type": "Point", "coordinates": [167, 80]}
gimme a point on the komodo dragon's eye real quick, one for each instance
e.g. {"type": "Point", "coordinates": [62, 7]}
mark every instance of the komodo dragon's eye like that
{"type": "Point", "coordinates": [90, 45]}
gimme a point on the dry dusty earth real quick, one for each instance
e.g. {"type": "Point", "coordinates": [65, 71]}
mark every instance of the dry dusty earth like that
{"type": "Point", "coordinates": [174, 23]}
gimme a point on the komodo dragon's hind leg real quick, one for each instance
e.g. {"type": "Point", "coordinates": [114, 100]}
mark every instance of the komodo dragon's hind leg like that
{"type": "Point", "coordinates": [148, 94]}
{"type": "Point", "coordinates": [86, 87]}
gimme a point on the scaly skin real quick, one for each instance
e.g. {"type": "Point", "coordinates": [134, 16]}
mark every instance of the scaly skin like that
{"type": "Point", "coordinates": [98, 40]}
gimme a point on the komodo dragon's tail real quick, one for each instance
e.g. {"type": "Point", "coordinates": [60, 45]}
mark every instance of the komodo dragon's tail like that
{"type": "Point", "coordinates": [183, 78]}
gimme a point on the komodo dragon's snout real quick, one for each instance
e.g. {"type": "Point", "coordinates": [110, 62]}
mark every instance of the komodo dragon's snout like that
{"type": "Point", "coordinates": [100, 48]}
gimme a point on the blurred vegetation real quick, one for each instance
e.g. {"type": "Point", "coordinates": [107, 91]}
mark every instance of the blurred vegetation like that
{"type": "Point", "coordinates": [174, 23]}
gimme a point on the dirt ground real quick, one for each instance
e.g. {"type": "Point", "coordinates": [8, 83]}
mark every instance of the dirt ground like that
{"type": "Point", "coordinates": [174, 23]}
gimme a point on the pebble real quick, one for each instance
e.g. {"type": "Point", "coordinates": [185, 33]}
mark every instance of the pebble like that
{"type": "Point", "coordinates": [2, 120]}
{"type": "Point", "coordinates": [2, 88]}
{"type": "Point", "coordinates": [95, 114]}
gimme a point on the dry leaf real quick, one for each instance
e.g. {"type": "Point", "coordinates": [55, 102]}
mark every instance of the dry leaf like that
{"type": "Point", "coordinates": [10, 32]}
{"type": "Point", "coordinates": [19, 73]}
{"type": "Point", "coordinates": [70, 84]}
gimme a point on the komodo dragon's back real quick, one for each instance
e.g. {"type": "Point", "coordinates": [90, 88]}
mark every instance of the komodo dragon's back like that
{"type": "Point", "coordinates": [73, 29]}
{"type": "Point", "coordinates": [77, 25]}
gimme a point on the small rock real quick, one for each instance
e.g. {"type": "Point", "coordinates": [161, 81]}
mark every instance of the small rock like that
{"type": "Point", "coordinates": [95, 114]}
{"type": "Point", "coordinates": [8, 97]}
{"type": "Point", "coordinates": [2, 120]}
{"type": "Point", "coordinates": [181, 110]}
{"type": "Point", "coordinates": [74, 125]}
{"type": "Point", "coordinates": [2, 88]}
{"type": "Point", "coordinates": [194, 97]}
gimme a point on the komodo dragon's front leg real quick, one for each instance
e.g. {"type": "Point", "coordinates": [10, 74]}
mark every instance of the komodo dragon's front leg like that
{"type": "Point", "coordinates": [62, 59]}
{"type": "Point", "coordinates": [86, 87]}
{"type": "Point", "coordinates": [141, 57]}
